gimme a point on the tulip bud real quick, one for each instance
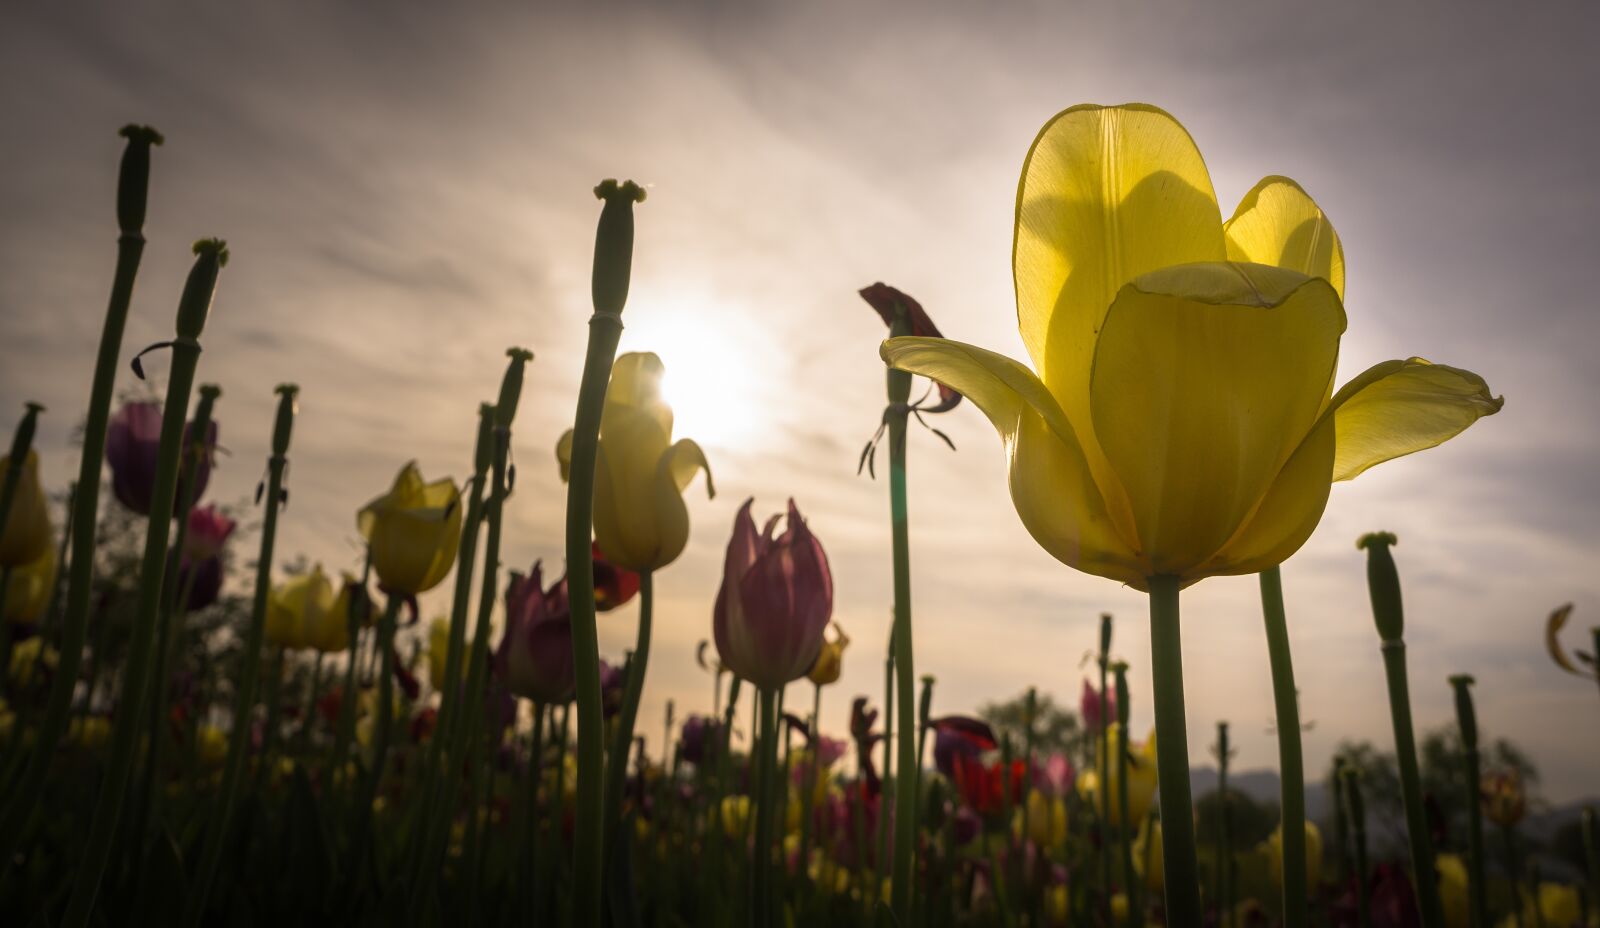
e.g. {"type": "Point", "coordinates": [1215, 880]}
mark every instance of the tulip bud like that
{"type": "Point", "coordinates": [1383, 585]}
{"type": "Point", "coordinates": [1105, 634]}
{"type": "Point", "coordinates": [1466, 716]}
{"type": "Point", "coordinates": [511, 386]}
{"type": "Point", "coordinates": [211, 255]}
{"type": "Point", "coordinates": [24, 511]}
{"type": "Point", "coordinates": [412, 532]}
{"type": "Point", "coordinates": [775, 600]}
{"type": "Point", "coordinates": [535, 654]}
{"type": "Point", "coordinates": [613, 245]}
{"type": "Point", "coordinates": [28, 591]}
{"type": "Point", "coordinates": [700, 738]}
{"type": "Point", "coordinates": [133, 449]}
{"type": "Point", "coordinates": [133, 182]}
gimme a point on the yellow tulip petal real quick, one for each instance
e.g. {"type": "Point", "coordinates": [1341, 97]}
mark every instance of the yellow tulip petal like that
{"type": "Point", "coordinates": [29, 590]}
{"type": "Point", "coordinates": [1288, 513]}
{"type": "Point", "coordinates": [1107, 194]}
{"type": "Point", "coordinates": [1206, 377]}
{"type": "Point", "coordinates": [1278, 223]}
{"type": "Point", "coordinates": [1399, 407]}
{"type": "Point", "coordinates": [684, 460]}
{"type": "Point", "coordinates": [1051, 485]}
{"type": "Point", "coordinates": [564, 455]}
{"type": "Point", "coordinates": [1552, 640]}
{"type": "Point", "coordinates": [636, 385]}
{"type": "Point", "coordinates": [26, 533]}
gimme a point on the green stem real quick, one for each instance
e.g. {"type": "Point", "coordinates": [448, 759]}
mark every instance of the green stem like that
{"type": "Point", "coordinates": [1291, 773]}
{"type": "Point", "coordinates": [347, 698]}
{"type": "Point", "coordinates": [1513, 871]}
{"type": "Point", "coordinates": [132, 190]}
{"type": "Point", "coordinates": [1467, 722]}
{"type": "Point", "coordinates": [1103, 765]}
{"type": "Point", "coordinates": [135, 684]}
{"type": "Point", "coordinates": [1350, 782]}
{"type": "Point", "coordinates": [813, 779]}
{"type": "Point", "coordinates": [1224, 829]}
{"type": "Point", "coordinates": [249, 668]}
{"type": "Point", "coordinates": [627, 718]}
{"type": "Point", "coordinates": [382, 728]}
{"type": "Point", "coordinates": [269, 727]}
{"type": "Point", "coordinates": [1172, 760]}
{"type": "Point", "coordinates": [1131, 886]}
{"type": "Point", "coordinates": [613, 258]}
{"type": "Point", "coordinates": [886, 799]}
{"type": "Point", "coordinates": [435, 810]}
{"type": "Point", "coordinates": [532, 830]}
{"type": "Point", "coordinates": [905, 822]}
{"type": "Point", "coordinates": [761, 858]}
{"type": "Point", "coordinates": [1422, 872]}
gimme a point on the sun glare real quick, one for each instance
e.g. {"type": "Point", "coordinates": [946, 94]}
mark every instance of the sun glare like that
{"type": "Point", "coordinates": [711, 383]}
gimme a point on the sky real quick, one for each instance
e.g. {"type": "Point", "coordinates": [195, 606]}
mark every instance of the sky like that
{"type": "Point", "coordinates": [407, 194]}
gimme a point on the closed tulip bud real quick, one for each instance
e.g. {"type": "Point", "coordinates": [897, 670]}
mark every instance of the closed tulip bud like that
{"type": "Point", "coordinates": [1313, 855]}
{"type": "Point", "coordinates": [613, 244]}
{"type": "Point", "coordinates": [199, 568]}
{"type": "Point", "coordinates": [535, 655]}
{"type": "Point", "coordinates": [1383, 585]}
{"type": "Point", "coordinates": [1089, 707]}
{"type": "Point", "coordinates": [1454, 890]}
{"type": "Point", "coordinates": [296, 607]}
{"type": "Point", "coordinates": [28, 593]}
{"type": "Point", "coordinates": [25, 537]}
{"type": "Point", "coordinates": [1141, 777]}
{"type": "Point", "coordinates": [211, 256]}
{"type": "Point", "coordinates": [735, 816]}
{"type": "Point", "coordinates": [640, 520]}
{"type": "Point", "coordinates": [133, 441]}
{"type": "Point", "coordinates": [613, 679]}
{"type": "Point", "coordinates": [1504, 800]}
{"type": "Point", "coordinates": [329, 632]}
{"type": "Point", "coordinates": [775, 600]}
{"type": "Point", "coordinates": [1147, 856]}
{"type": "Point", "coordinates": [133, 181]}
{"type": "Point", "coordinates": [700, 739]}
{"type": "Point", "coordinates": [413, 531]}
{"type": "Point", "coordinates": [830, 659]}
{"type": "Point", "coordinates": [438, 651]}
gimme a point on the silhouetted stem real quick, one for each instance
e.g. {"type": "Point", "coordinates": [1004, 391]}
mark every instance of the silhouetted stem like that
{"type": "Point", "coordinates": [627, 718]}
{"type": "Point", "coordinates": [1172, 760]}
{"type": "Point", "coordinates": [766, 760]}
{"type": "Point", "coordinates": [249, 668]}
{"type": "Point", "coordinates": [132, 191]}
{"type": "Point", "coordinates": [1467, 721]}
{"type": "Point", "coordinates": [1351, 784]}
{"type": "Point", "coordinates": [905, 823]}
{"type": "Point", "coordinates": [1291, 773]}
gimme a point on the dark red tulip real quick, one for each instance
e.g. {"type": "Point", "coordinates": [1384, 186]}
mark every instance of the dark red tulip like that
{"type": "Point", "coordinates": [535, 654]}
{"type": "Point", "coordinates": [959, 736]}
{"type": "Point", "coordinates": [700, 739]}
{"type": "Point", "coordinates": [133, 447]}
{"type": "Point", "coordinates": [775, 601]}
{"type": "Point", "coordinates": [887, 301]}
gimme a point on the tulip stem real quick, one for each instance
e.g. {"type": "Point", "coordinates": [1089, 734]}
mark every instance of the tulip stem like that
{"type": "Point", "coordinates": [1291, 773]}
{"type": "Point", "coordinates": [532, 828]}
{"type": "Point", "coordinates": [1394, 665]}
{"type": "Point", "coordinates": [1467, 722]}
{"type": "Point", "coordinates": [244, 696]}
{"type": "Point", "coordinates": [435, 810]}
{"type": "Point", "coordinates": [622, 737]}
{"type": "Point", "coordinates": [1131, 885]}
{"type": "Point", "coordinates": [612, 270]}
{"type": "Point", "coordinates": [905, 824]}
{"type": "Point", "coordinates": [132, 191]}
{"type": "Point", "coordinates": [1103, 775]}
{"type": "Point", "coordinates": [1350, 783]}
{"type": "Point", "coordinates": [1172, 760]}
{"type": "Point", "coordinates": [360, 612]}
{"type": "Point", "coordinates": [761, 859]}
{"type": "Point", "coordinates": [1224, 830]}
{"type": "Point", "coordinates": [136, 672]}
{"type": "Point", "coordinates": [813, 778]}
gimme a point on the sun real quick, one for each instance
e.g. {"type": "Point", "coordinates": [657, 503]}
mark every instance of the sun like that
{"type": "Point", "coordinates": [711, 382]}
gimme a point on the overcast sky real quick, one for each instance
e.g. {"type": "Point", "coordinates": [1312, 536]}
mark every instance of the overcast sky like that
{"type": "Point", "coordinates": [408, 194]}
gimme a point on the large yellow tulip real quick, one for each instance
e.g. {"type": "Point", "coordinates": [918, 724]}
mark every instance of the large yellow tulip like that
{"type": "Point", "coordinates": [25, 536]}
{"type": "Point", "coordinates": [640, 521]}
{"type": "Point", "coordinates": [1179, 418]}
{"type": "Point", "coordinates": [28, 593]}
{"type": "Point", "coordinates": [413, 531]}
{"type": "Point", "coordinates": [299, 609]}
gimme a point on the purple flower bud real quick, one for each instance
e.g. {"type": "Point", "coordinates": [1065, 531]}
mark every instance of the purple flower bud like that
{"type": "Point", "coordinates": [701, 737]}
{"type": "Point", "coordinates": [535, 655]}
{"type": "Point", "coordinates": [956, 737]}
{"type": "Point", "coordinates": [133, 447]}
{"type": "Point", "coordinates": [1089, 707]}
{"type": "Point", "coordinates": [775, 601]}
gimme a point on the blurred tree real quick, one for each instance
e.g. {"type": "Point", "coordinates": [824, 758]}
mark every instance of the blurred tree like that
{"type": "Point", "coordinates": [1055, 730]}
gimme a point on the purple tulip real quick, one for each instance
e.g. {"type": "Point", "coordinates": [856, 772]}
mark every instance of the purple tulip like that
{"type": "Point", "coordinates": [535, 655]}
{"type": "Point", "coordinates": [701, 737]}
{"type": "Point", "coordinates": [775, 601]}
{"type": "Point", "coordinates": [198, 568]}
{"type": "Point", "coordinates": [612, 681]}
{"type": "Point", "coordinates": [133, 447]}
{"type": "Point", "coordinates": [1089, 707]}
{"type": "Point", "coordinates": [957, 736]}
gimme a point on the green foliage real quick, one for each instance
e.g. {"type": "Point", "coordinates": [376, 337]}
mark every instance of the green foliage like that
{"type": "Point", "coordinates": [1055, 730]}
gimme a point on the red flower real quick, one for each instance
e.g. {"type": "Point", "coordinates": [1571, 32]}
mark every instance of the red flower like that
{"type": "Point", "coordinates": [984, 788]}
{"type": "Point", "coordinates": [888, 301]}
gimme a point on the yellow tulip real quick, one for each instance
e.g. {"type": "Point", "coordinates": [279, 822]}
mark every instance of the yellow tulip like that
{"type": "Point", "coordinates": [211, 745]}
{"type": "Point", "coordinates": [830, 660]}
{"type": "Point", "coordinates": [1141, 777]}
{"type": "Point", "coordinates": [1453, 890]}
{"type": "Point", "coordinates": [30, 661]}
{"type": "Point", "coordinates": [640, 521]}
{"type": "Point", "coordinates": [1047, 820]}
{"type": "Point", "coordinates": [299, 609]}
{"type": "Point", "coordinates": [1313, 855]}
{"type": "Point", "coordinates": [25, 536]}
{"type": "Point", "coordinates": [1179, 418]}
{"type": "Point", "coordinates": [90, 732]}
{"type": "Point", "coordinates": [1057, 903]}
{"type": "Point", "coordinates": [735, 816]}
{"type": "Point", "coordinates": [28, 594]}
{"type": "Point", "coordinates": [330, 631]}
{"type": "Point", "coordinates": [413, 531]}
{"type": "Point", "coordinates": [1147, 857]}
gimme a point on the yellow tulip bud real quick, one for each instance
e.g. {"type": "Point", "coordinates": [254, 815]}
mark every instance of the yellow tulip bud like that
{"type": "Point", "coordinates": [735, 816]}
{"type": "Point", "coordinates": [1141, 777]}
{"type": "Point", "coordinates": [412, 532]}
{"type": "Point", "coordinates": [25, 536]}
{"type": "Point", "coordinates": [1454, 887]}
{"type": "Point", "coordinates": [640, 520]}
{"type": "Point", "coordinates": [211, 745]}
{"type": "Point", "coordinates": [1147, 856]}
{"type": "Point", "coordinates": [30, 661]}
{"type": "Point", "coordinates": [439, 650]}
{"type": "Point", "coordinates": [297, 611]}
{"type": "Point", "coordinates": [1313, 854]}
{"type": "Point", "coordinates": [28, 594]}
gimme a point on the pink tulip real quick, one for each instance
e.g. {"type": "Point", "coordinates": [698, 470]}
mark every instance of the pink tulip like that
{"type": "Point", "coordinates": [775, 601]}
